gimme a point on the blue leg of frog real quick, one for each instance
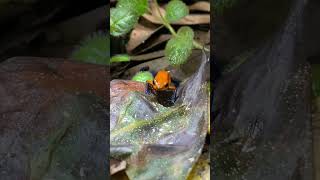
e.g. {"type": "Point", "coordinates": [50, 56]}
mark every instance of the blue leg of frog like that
{"type": "Point", "coordinates": [175, 96]}
{"type": "Point", "coordinates": [149, 90]}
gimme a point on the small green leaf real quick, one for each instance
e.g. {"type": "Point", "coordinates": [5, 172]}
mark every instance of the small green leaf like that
{"type": "Point", "coordinates": [186, 32]}
{"type": "Point", "coordinates": [179, 48]}
{"type": "Point", "coordinates": [94, 49]}
{"type": "Point", "coordinates": [122, 20]}
{"type": "Point", "coordinates": [143, 76]}
{"type": "Point", "coordinates": [176, 10]}
{"type": "Point", "coordinates": [138, 6]}
{"type": "Point", "coordinates": [120, 58]}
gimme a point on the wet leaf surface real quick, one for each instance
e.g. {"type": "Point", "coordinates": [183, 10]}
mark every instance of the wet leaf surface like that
{"type": "Point", "coordinates": [164, 142]}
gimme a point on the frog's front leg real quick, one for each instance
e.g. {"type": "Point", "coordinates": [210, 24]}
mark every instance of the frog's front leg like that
{"type": "Point", "coordinates": [172, 87]}
{"type": "Point", "coordinates": [149, 88]}
{"type": "Point", "coordinates": [173, 97]}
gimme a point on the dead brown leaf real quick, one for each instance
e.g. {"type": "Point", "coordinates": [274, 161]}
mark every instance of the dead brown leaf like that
{"type": "Point", "coordinates": [200, 6]}
{"type": "Point", "coordinates": [139, 35]}
{"type": "Point", "coordinates": [119, 176]}
{"type": "Point", "coordinates": [154, 65]}
{"type": "Point", "coordinates": [142, 32]}
{"type": "Point", "coordinates": [148, 56]}
{"type": "Point", "coordinates": [160, 39]}
{"type": "Point", "coordinates": [116, 166]}
{"type": "Point", "coordinates": [188, 20]}
{"type": "Point", "coordinates": [202, 37]}
{"type": "Point", "coordinates": [191, 19]}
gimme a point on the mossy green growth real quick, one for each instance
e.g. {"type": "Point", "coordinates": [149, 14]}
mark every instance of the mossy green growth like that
{"type": "Point", "coordinates": [142, 76]}
{"type": "Point", "coordinates": [94, 49]}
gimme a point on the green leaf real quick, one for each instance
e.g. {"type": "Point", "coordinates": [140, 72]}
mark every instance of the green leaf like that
{"type": "Point", "coordinates": [179, 48]}
{"type": "Point", "coordinates": [142, 76]}
{"type": "Point", "coordinates": [186, 32]}
{"type": "Point", "coordinates": [315, 69]}
{"type": "Point", "coordinates": [94, 49]}
{"type": "Point", "coordinates": [157, 132]}
{"type": "Point", "coordinates": [120, 58]}
{"type": "Point", "coordinates": [138, 6]}
{"type": "Point", "coordinates": [122, 20]}
{"type": "Point", "coordinates": [176, 10]}
{"type": "Point", "coordinates": [221, 5]}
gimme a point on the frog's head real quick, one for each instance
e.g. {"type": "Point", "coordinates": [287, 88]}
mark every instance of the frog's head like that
{"type": "Point", "coordinates": [162, 80]}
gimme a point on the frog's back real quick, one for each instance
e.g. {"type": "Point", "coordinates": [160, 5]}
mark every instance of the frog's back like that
{"type": "Point", "coordinates": [163, 78]}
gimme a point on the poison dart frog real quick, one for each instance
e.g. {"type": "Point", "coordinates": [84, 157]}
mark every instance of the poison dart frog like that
{"type": "Point", "coordinates": [163, 88]}
{"type": "Point", "coordinates": [162, 81]}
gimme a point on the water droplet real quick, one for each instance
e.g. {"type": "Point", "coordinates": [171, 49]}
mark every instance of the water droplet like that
{"type": "Point", "coordinates": [191, 159]}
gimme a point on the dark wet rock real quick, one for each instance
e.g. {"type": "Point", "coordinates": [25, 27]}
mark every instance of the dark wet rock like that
{"type": "Point", "coordinates": [53, 119]}
{"type": "Point", "coordinates": [263, 112]}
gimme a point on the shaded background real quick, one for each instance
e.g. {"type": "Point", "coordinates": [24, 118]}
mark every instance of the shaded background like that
{"type": "Point", "coordinates": [48, 28]}
{"type": "Point", "coordinates": [53, 110]}
{"type": "Point", "coordinates": [260, 52]}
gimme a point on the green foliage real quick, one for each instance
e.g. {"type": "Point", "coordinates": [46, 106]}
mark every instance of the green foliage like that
{"type": "Point", "coordinates": [127, 13]}
{"type": "Point", "coordinates": [315, 69]}
{"type": "Point", "coordinates": [176, 10]}
{"type": "Point", "coordinates": [120, 58]}
{"type": "Point", "coordinates": [179, 48]}
{"type": "Point", "coordinates": [186, 32]}
{"type": "Point", "coordinates": [94, 49]}
{"type": "Point", "coordinates": [143, 121]}
{"type": "Point", "coordinates": [221, 5]}
{"type": "Point", "coordinates": [139, 7]}
{"type": "Point", "coordinates": [122, 20]}
{"type": "Point", "coordinates": [142, 76]}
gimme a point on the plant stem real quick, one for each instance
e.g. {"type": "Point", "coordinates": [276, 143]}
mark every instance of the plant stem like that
{"type": "Point", "coordinates": [199, 46]}
{"type": "Point", "coordinates": [164, 20]}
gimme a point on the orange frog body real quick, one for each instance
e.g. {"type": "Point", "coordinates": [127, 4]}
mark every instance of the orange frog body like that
{"type": "Point", "coordinates": [162, 81]}
{"type": "Point", "coordinates": [163, 87]}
